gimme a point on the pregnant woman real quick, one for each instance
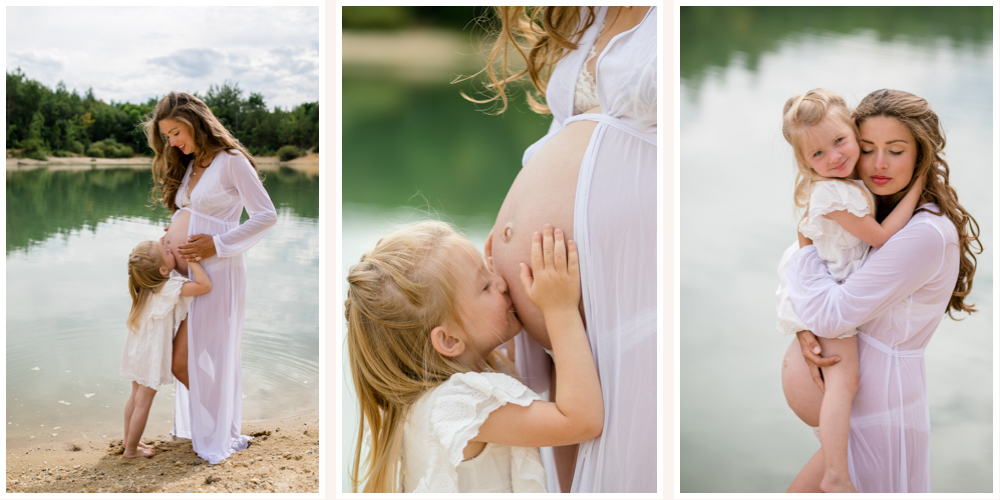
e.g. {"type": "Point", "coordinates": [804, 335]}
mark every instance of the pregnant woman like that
{"type": "Point", "coordinates": [896, 301]}
{"type": "Point", "coordinates": [594, 172]}
{"type": "Point", "coordinates": [206, 178]}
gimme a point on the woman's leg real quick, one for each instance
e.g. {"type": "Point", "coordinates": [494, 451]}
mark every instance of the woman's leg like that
{"type": "Point", "coordinates": [841, 380]}
{"type": "Point", "coordinates": [810, 476]}
{"type": "Point", "coordinates": [143, 400]}
{"type": "Point", "coordinates": [179, 366]}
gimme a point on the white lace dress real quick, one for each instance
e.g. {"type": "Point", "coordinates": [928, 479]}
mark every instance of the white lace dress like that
{"type": "Point", "coordinates": [210, 414]}
{"type": "Point", "coordinates": [147, 355]}
{"type": "Point", "coordinates": [842, 252]}
{"type": "Point", "coordinates": [615, 227]}
{"type": "Point", "coordinates": [440, 425]}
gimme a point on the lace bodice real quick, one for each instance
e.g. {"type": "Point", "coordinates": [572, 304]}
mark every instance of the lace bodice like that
{"type": "Point", "coordinates": [585, 95]}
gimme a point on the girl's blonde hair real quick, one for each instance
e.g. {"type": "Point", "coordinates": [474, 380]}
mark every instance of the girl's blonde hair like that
{"type": "Point", "coordinates": [540, 36]}
{"type": "Point", "coordinates": [397, 294]}
{"type": "Point", "coordinates": [169, 163]}
{"type": "Point", "coordinates": [916, 115]}
{"type": "Point", "coordinates": [801, 113]}
{"type": "Point", "coordinates": [144, 279]}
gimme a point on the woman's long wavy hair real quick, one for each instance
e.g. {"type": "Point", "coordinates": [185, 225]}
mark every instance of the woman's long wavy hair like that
{"type": "Point", "coordinates": [169, 163]}
{"type": "Point", "coordinates": [916, 115]}
{"type": "Point", "coordinates": [397, 294]}
{"type": "Point", "coordinates": [800, 114]}
{"type": "Point", "coordinates": [144, 279]}
{"type": "Point", "coordinates": [540, 36]}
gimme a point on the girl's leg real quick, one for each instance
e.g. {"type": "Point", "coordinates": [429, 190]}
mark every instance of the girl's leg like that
{"type": "Point", "coordinates": [841, 381]}
{"type": "Point", "coordinates": [179, 366]}
{"type": "Point", "coordinates": [140, 413]}
{"type": "Point", "coordinates": [129, 408]}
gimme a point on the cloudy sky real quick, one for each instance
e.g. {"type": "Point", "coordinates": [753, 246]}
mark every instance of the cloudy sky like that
{"type": "Point", "coordinates": [133, 53]}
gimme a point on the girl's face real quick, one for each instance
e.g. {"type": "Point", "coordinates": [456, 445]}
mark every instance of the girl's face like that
{"type": "Point", "coordinates": [178, 135]}
{"type": "Point", "coordinates": [830, 148]}
{"type": "Point", "coordinates": [483, 302]}
{"type": "Point", "coordinates": [888, 155]}
{"type": "Point", "coordinates": [169, 262]}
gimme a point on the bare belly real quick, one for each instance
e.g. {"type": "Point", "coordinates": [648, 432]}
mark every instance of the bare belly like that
{"type": "Point", "coordinates": [543, 192]}
{"type": "Point", "coordinates": [177, 235]}
{"type": "Point", "coordinates": [801, 393]}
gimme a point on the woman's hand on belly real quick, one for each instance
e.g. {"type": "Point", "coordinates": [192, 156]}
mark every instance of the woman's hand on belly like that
{"type": "Point", "coordinates": [198, 247]}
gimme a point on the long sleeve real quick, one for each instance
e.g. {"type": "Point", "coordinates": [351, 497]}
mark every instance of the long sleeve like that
{"type": "Point", "coordinates": [908, 261]}
{"type": "Point", "coordinates": [257, 203]}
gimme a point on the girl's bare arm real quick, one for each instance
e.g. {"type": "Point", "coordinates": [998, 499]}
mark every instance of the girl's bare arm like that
{"type": "Point", "coordinates": [201, 283]}
{"type": "Point", "coordinates": [869, 230]}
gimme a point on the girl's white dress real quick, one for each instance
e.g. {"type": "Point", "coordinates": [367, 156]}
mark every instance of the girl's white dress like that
{"type": "Point", "coordinates": [842, 251]}
{"type": "Point", "coordinates": [211, 413]}
{"type": "Point", "coordinates": [615, 228]}
{"type": "Point", "coordinates": [896, 301]}
{"type": "Point", "coordinates": [440, 425]}
{"type": "Point", "coordinates": [147, 355]}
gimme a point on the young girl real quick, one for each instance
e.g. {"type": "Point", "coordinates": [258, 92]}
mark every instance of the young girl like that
{"type": "Point", "coordinates": [160, 300]}
{"type": "Point", "coordinates": [838, 218]}
{"type": "Point", "coordinates": [425, 316]}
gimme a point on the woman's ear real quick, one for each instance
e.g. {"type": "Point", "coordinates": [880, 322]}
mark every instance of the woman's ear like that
{"type": "Point", "coordinates": [446, 343]}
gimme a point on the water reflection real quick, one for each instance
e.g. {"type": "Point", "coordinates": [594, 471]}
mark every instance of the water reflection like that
{"type": "Point", "coordinates": [738, 66]}
{"type": "Point", "coordinates": [69, 234]}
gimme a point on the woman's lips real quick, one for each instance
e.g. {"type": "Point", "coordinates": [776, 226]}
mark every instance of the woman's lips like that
{"type": "Point", "coordinates": [880, 180]}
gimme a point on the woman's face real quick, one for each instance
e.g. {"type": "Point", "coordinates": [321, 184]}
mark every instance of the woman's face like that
{"type": "Point", "coordinates": [888, 155]}
{"type": "Point", "coordinates": [178, 135]}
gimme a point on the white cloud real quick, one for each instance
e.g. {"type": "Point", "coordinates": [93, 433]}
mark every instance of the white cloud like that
{"type": "Point", "coordinates": [135, 53]}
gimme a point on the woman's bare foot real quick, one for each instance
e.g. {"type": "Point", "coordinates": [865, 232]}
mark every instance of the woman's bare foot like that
{"type": "Point", "coordinates": [831, 484]}
{"type": "Point", "coordinates": [140, 453]}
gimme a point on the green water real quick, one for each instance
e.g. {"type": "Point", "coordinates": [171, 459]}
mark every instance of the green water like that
{"type": "Point", "coordinates": [69, 234]}
{"type": "Point", "coordinates": [738, 67]}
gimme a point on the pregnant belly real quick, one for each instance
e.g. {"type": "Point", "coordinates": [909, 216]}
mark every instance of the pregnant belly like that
{"type": "Point", "coordinates": [543, 192]}
{"type": "Point", "coordinates": [176, 236]}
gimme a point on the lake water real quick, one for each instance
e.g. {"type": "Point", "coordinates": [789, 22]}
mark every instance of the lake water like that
{"type": "Point", "coordinates": [738, 66]}
{"type": "Point", "coordinates": [69, 234]}
{"type": "Point", "coordinates": [414, 151]}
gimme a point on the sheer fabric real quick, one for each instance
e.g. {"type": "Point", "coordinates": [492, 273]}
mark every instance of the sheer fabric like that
{"type": "Point", "coordinates": [146, 357]}
{"type": "Point", "coordinates": [842, 252]}
{"type": "Point", "coordinates": [896, 300]}
{"type": "Point", "coordinates": [440, 425]}
{"type": "Point", "coordinates": [211, 413]}
{"type": "Point", "coordinates": [615, 231]}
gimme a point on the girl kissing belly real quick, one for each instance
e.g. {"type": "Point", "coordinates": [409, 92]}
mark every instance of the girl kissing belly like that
{"type": "Point", "coordinates": [543, 192]}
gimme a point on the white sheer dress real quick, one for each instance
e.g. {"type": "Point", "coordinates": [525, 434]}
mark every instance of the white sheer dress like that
{"type": "Point", "coordinates": [211, 413]}
{"type": "Point", "coordinates": [615, 224]}
{"type": "Point", "coordinates": [896, 301]}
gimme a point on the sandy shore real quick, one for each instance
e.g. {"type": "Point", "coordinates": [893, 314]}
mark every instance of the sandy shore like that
{"type": "Point", "coordinates": [282, 457]}
{"type": "Point", "coordinates": [308, 164]}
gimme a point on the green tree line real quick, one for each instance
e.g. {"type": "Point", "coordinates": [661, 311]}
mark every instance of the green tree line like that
{"type": "Point", "coordinates": [43, 122]}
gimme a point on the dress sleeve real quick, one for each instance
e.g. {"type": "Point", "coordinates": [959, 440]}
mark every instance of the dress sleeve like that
{"type": "Point", "coordinates": [258, 204]}
{"type": "Point", "coordinates": [832, 196]}
{"type": "Point", "coordinates": [162, 303]}
{"type": "Point", "coordinates": [903, 265]}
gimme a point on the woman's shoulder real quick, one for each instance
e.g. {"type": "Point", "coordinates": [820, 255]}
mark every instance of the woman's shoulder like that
{"type": "Point", "coordinates": [931, 224]}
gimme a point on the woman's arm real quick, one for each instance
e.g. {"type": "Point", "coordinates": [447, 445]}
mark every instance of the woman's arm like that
{"type": "Point", "coordinates": [258, 205]}
{"type": "Point", "coordinates": [201, 283]}
{"type": "Point", "coordinates": [578, 412]}
{"type": "Point", "coordinates": [869, 230]}
{"type": "Point", "coordinates": [903, 265]}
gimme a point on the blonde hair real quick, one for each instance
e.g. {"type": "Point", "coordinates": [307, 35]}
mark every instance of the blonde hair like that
{"type": "Point", "coordinates": [144, 279]}
{"type": "Point", "coordinates": [801, 113]}
{"type": "Point", "coordinates": [169, 163]}
{"type": "Point", "coordinates": [397, 294]}
{"type": "Point", "coordinates": [916, 115]}
{"type": "Point", "coordinates": [540, 36]}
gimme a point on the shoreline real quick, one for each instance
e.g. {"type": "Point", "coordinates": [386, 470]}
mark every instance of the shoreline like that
{"type": "Point", "coordinates": [282, 457]}
{"type": "Point", "coordinates": [307, 164]}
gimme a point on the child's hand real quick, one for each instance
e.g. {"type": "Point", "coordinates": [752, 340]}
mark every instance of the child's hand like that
{"type": "Point", "coordinates": [553, 282]}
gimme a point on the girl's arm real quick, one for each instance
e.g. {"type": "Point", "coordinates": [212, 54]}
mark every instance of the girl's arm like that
{"type": "Point", "coordinates": [869, 230]}
{"type": "Point", "coordinates": [577, 415]}
{"type": "Point", "coordinates": [905, 264]}
{"type": "Point", "coordinates": [201, 283]}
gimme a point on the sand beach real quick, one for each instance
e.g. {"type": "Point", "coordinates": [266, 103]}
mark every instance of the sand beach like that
{"type": "Point", "coordinates": [307, 164]}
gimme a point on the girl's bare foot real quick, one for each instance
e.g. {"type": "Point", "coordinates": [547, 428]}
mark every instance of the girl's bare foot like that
{"type": "Point", "coordinates": [831, 484]}
{"type": "Point", "coordinates": [140, 453]}
{"type": "Point", "coordinates": [140, 445]}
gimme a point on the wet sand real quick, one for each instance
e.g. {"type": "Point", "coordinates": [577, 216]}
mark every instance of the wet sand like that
{"type": "Point", "coordinates": [282, 457]}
